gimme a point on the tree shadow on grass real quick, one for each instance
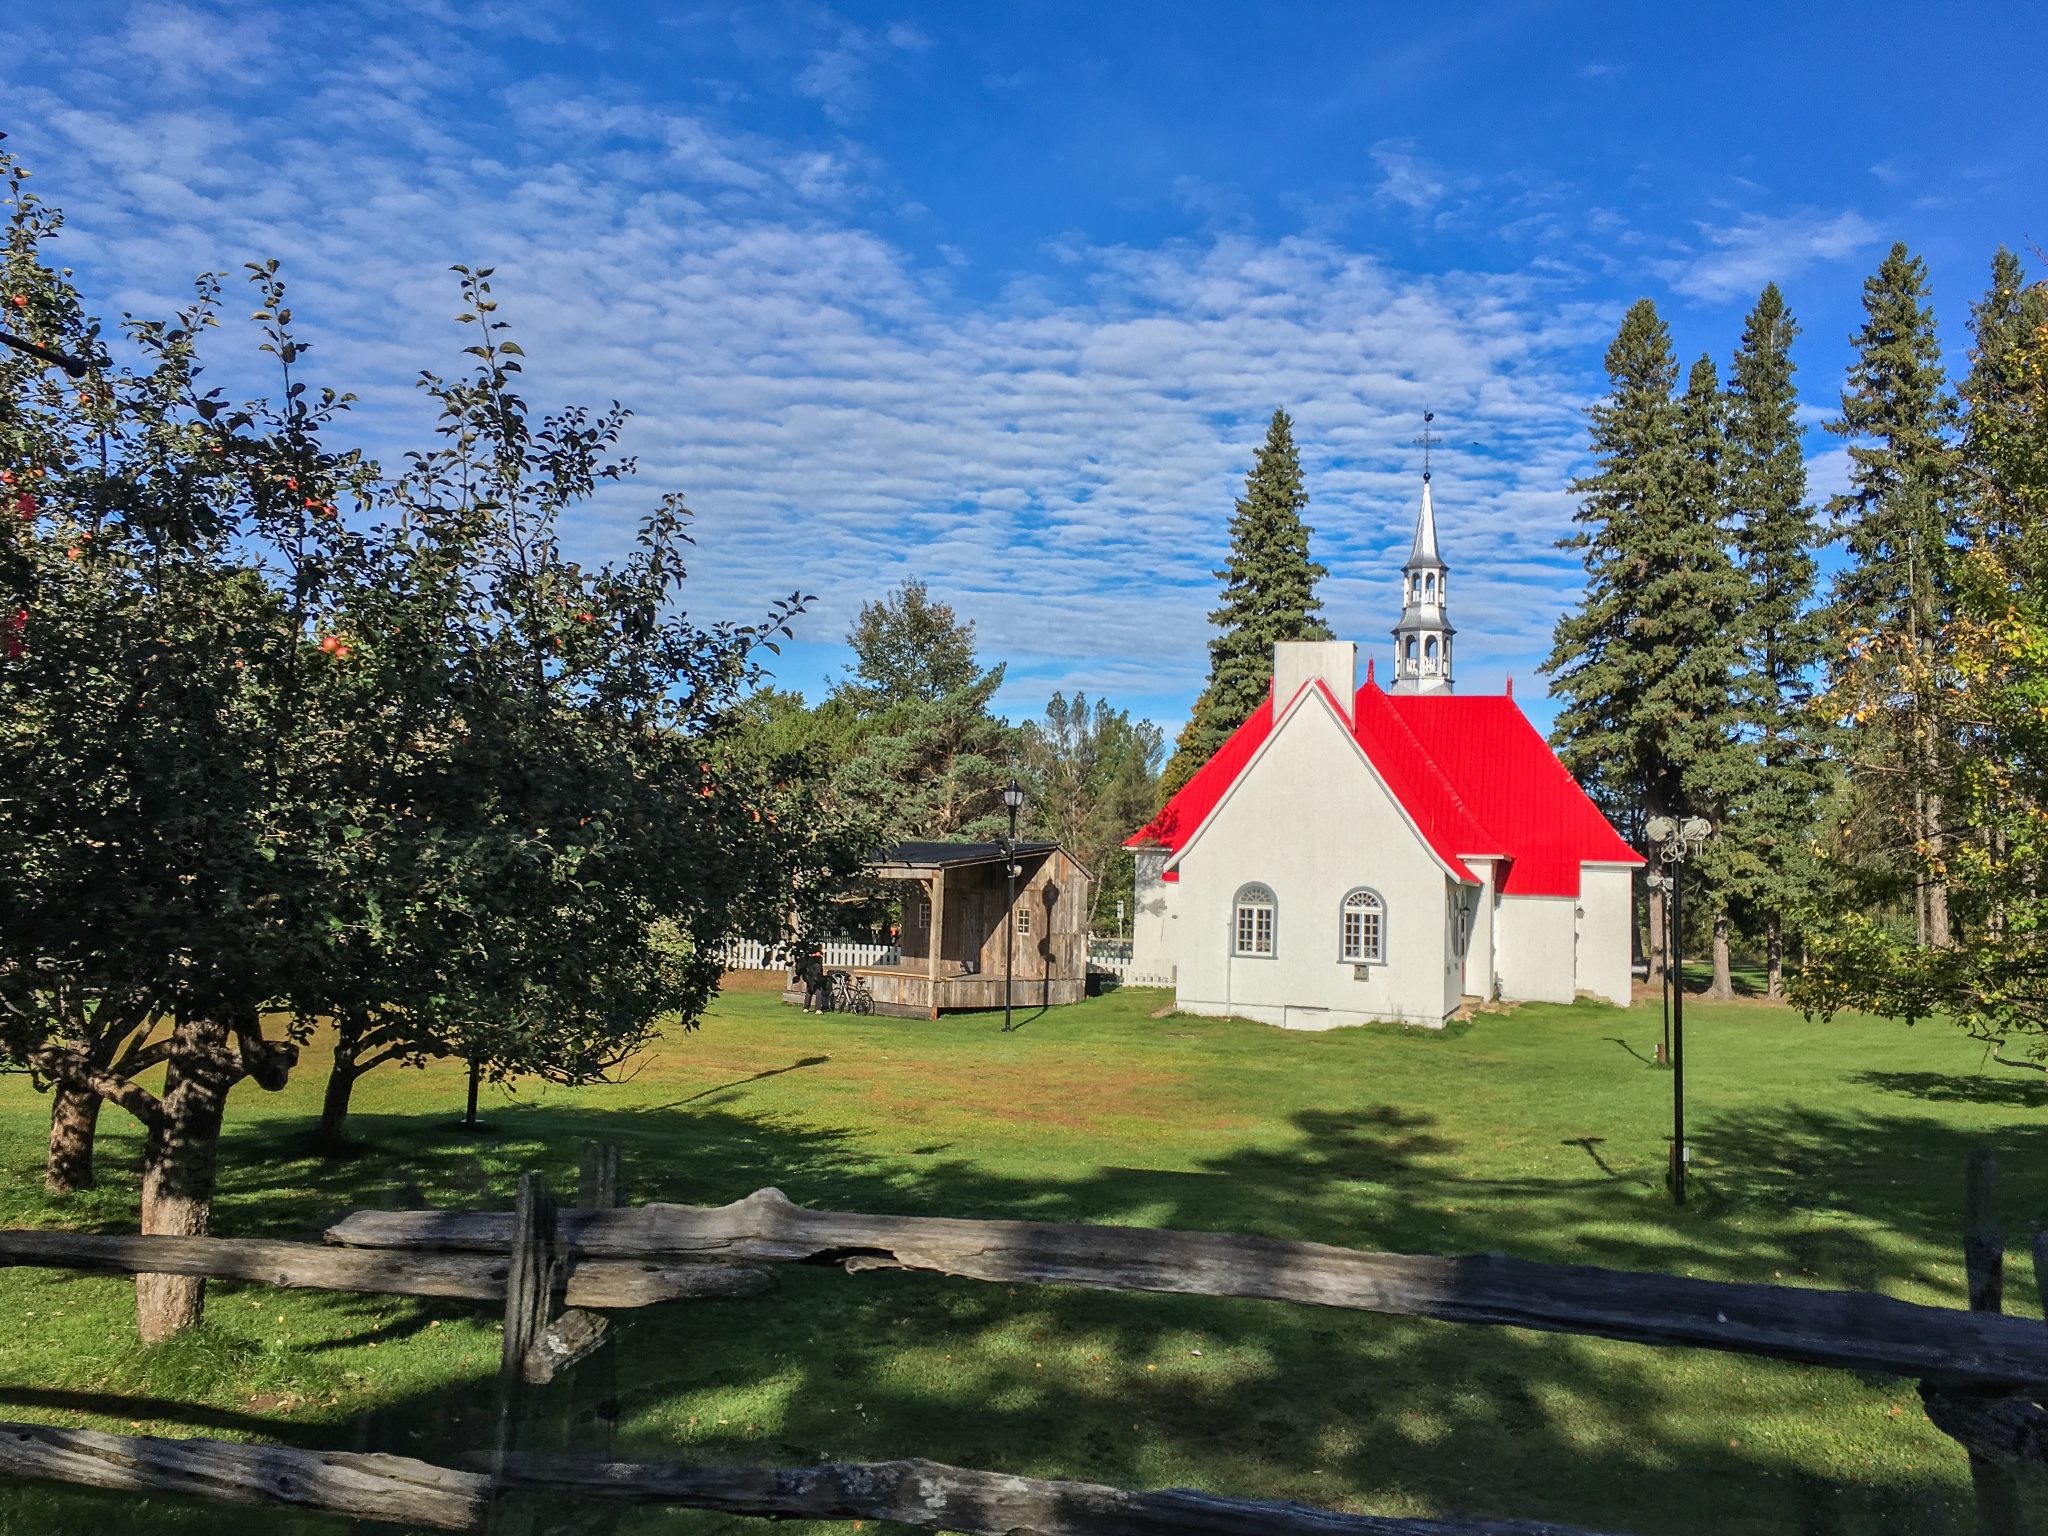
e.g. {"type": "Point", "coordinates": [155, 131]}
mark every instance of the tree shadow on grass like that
{"type": "Point", "coordinates": [1326, 1406]}
{"type": "Point", "coordinates": [1959, 1088]}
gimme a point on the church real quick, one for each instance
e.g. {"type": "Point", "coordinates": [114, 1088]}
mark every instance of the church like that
{"type": "Point", "coordinates": [1354, 854]}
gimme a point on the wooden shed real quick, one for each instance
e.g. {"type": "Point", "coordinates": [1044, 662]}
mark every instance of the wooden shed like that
{"type": "Point", "coordinates": [958, 893]}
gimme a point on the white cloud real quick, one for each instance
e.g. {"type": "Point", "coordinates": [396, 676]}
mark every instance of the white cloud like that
{"type": "Point", "coordinates": [1740, 258]}
{"type": "Point", "coordinates": [178, 46]}
{"type": "Point", "coordinates": [1405, 177]}
{"type": "Point", "coordinates": [1058, 463]}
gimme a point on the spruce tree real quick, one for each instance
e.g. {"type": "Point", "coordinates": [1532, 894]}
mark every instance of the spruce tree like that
{"type": "Point", "coordinates": [1697, 723]}
{"type": "Point", "coordinates": [1895, 520]}
{"type": "Point", "coordinates": [1899, 523]}
{"type": "Point", "coordinates": [2008, 318]}
{"type": "Point", "coordinates": [1775, 534]}
{"type": "Point", "coordinates": [1269, 594]}
{"type": "Point", "coordinates": [1644, 666]}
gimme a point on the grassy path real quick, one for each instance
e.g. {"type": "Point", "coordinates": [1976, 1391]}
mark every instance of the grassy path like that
{"type": "Point", "coordinates": [1823, 1155]}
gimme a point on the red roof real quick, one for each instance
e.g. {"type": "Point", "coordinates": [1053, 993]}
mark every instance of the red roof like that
{"type": "Point", "coordinates": [1470, 771]}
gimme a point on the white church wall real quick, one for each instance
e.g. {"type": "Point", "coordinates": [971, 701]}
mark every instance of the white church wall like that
{"type": "Point", "coordinates": [1310, 820]}
{"type": "Point", "coordinates": [1538, 953]}
{"type": "Point", "coordinates": [1606, 913]}
{"type": "Point", "coordinates": [1480, 960]}
{"type": "Point", "coordinates": [1152, 918]}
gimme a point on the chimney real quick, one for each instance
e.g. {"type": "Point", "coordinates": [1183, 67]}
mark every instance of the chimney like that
{"type": "Point", "coordinates": [1296, 662]}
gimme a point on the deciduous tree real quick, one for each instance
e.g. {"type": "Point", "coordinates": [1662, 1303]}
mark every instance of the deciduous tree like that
{"type": "Point", "coordinates": [1095, 772]}
{"type": "Point", "coordinates": [264, 760]}
{"type": "Point", "coordinates": [1992, 705]}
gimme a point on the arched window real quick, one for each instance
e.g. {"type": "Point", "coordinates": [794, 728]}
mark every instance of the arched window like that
{"type": "Point", "coordinates": [1411, 647]}
{"type": "Point", "coordinates": [1362, 928]}
{"type": "Point", "coordinates": [1429, 648]}
{"type": "Point", "coordinates": [1429, 584]}
{"type": "Point", "coordinates": [1252, 927]}
{"type": "Point", "coordinates": [1415, 584]}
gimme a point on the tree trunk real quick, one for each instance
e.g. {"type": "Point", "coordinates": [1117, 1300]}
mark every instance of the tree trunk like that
{"type": "Point", "coordinates": [178, 1169]}
{"type": "Point", "coordinates": [1919, 871]}
{"type": "Point", "coordinates": [1938, 935]}
{"type": "Point", "coordinates": [341, 1082]}
{"type": "Point", "coordinates": [341, 1078]}
{"type": "Point", "coordinates": [74, 1117]}
{"type": "Point", "coordinates": [1776, 943]}
{"type": "Point", "coordinates": [1724, 984]}
{"type": "Point", "coordinates": [1656, 938]}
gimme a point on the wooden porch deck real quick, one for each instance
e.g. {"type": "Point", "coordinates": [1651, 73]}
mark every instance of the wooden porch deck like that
{"type": "Point", "coordinates": [907, 994]}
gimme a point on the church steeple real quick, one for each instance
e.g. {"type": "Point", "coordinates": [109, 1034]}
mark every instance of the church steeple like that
{"type": "Point", "coordinates": [1422, 640]}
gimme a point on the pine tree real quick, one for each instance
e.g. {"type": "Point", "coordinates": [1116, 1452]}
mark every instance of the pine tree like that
{"type": "Point", "coordinates": [1269, 594]}
{"type": "Point", "coordinates": [1899, 523]}
{"type": "Point", "coordinates": [1896, 518]}
{"type": "Point", "coordinates": [1698, 722]}
{"type": "Point", "coordinates": [2008, 317]}
{"type": "Point", "coordinates": [1775, 533]}
{"type": "Point", "coordinates": [1644, 666]}
{"type": "Point", "coordinates": [928, 758]}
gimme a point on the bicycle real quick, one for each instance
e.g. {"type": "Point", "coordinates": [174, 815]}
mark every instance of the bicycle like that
{"type": "Point", "coordinates": [850, 993]}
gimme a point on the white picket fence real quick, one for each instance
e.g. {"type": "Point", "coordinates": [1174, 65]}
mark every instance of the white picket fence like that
{"type": "Point", "coordinates": [840, 954]}
{"type": "Point", "coordinates": [1130, 974]}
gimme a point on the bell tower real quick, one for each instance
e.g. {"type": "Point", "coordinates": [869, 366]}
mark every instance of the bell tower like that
{"type": "Point", "coordinates": [1422, 640]}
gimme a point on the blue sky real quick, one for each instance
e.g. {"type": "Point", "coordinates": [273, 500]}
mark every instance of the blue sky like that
{"type": "Point", "coordinates": [1002, 295]}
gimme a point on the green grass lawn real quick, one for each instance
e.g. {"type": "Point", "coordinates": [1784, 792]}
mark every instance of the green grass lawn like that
{"type": "Point", "coordinates": [1824, 1155]}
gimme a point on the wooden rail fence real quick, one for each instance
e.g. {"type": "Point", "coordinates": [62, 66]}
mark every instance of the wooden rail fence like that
{"type": "Point", "coordinates": [1980, 1372]}
{"type": "Point", "coordinates": [927, 1494]}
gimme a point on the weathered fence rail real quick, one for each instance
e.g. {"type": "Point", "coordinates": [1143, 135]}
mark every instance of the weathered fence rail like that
{"type": "Point", "coordinates": [317, 1267]}
{"type": "Point", "coordinates": [1853, 1330]}
{"type": "Point", "coordinates": [1979, 1371]}
{"type": "Point", "coordinates": [920, 1493]}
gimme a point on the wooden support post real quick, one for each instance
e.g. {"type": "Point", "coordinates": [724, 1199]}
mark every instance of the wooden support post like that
{"type": "Point", "coordinates": [1983, 1238]}
{"type": "Point", "coordinates": [588, 1413]}
{"type": "Point", "coordinates": [1994, 1483]}
{"type": "Point", "coordinates": [599, 1188]}
{"type": "Point", "coordinates": [938, 936]}
{"type": "Point", "coordinates": [530, 1285]}
{"type": "Point", "coordinates": [537, 1344]}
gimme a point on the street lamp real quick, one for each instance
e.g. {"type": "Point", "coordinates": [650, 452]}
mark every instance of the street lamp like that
{"type": "Point", "coordinates": [1673, 842]}
{"type": "Point", "coordinates": [1013, 798]}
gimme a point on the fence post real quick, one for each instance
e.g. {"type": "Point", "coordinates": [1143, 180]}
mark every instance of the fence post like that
{"type": "Point", "coordinates": [598, 1188]}
{"type": "Point", "coordinates": [530, 1282]}
{"type": "Point", "coordinates": [1994, 1483]}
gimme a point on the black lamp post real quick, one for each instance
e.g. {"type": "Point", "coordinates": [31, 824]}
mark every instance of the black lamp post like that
{"type": "Point", "coordinates": [1673, 841]}
{"type": "Point", "coordinates": [1013, 798]}
{"type": "Point", "coordinates": [1657, 882]}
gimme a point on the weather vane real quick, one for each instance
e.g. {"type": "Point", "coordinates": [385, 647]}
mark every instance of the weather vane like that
{"type": "Point", "coordinates": [1427, 441]}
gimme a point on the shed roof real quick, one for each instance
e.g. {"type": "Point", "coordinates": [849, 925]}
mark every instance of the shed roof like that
{"type": "Point", "coordinates": [909, 858]}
